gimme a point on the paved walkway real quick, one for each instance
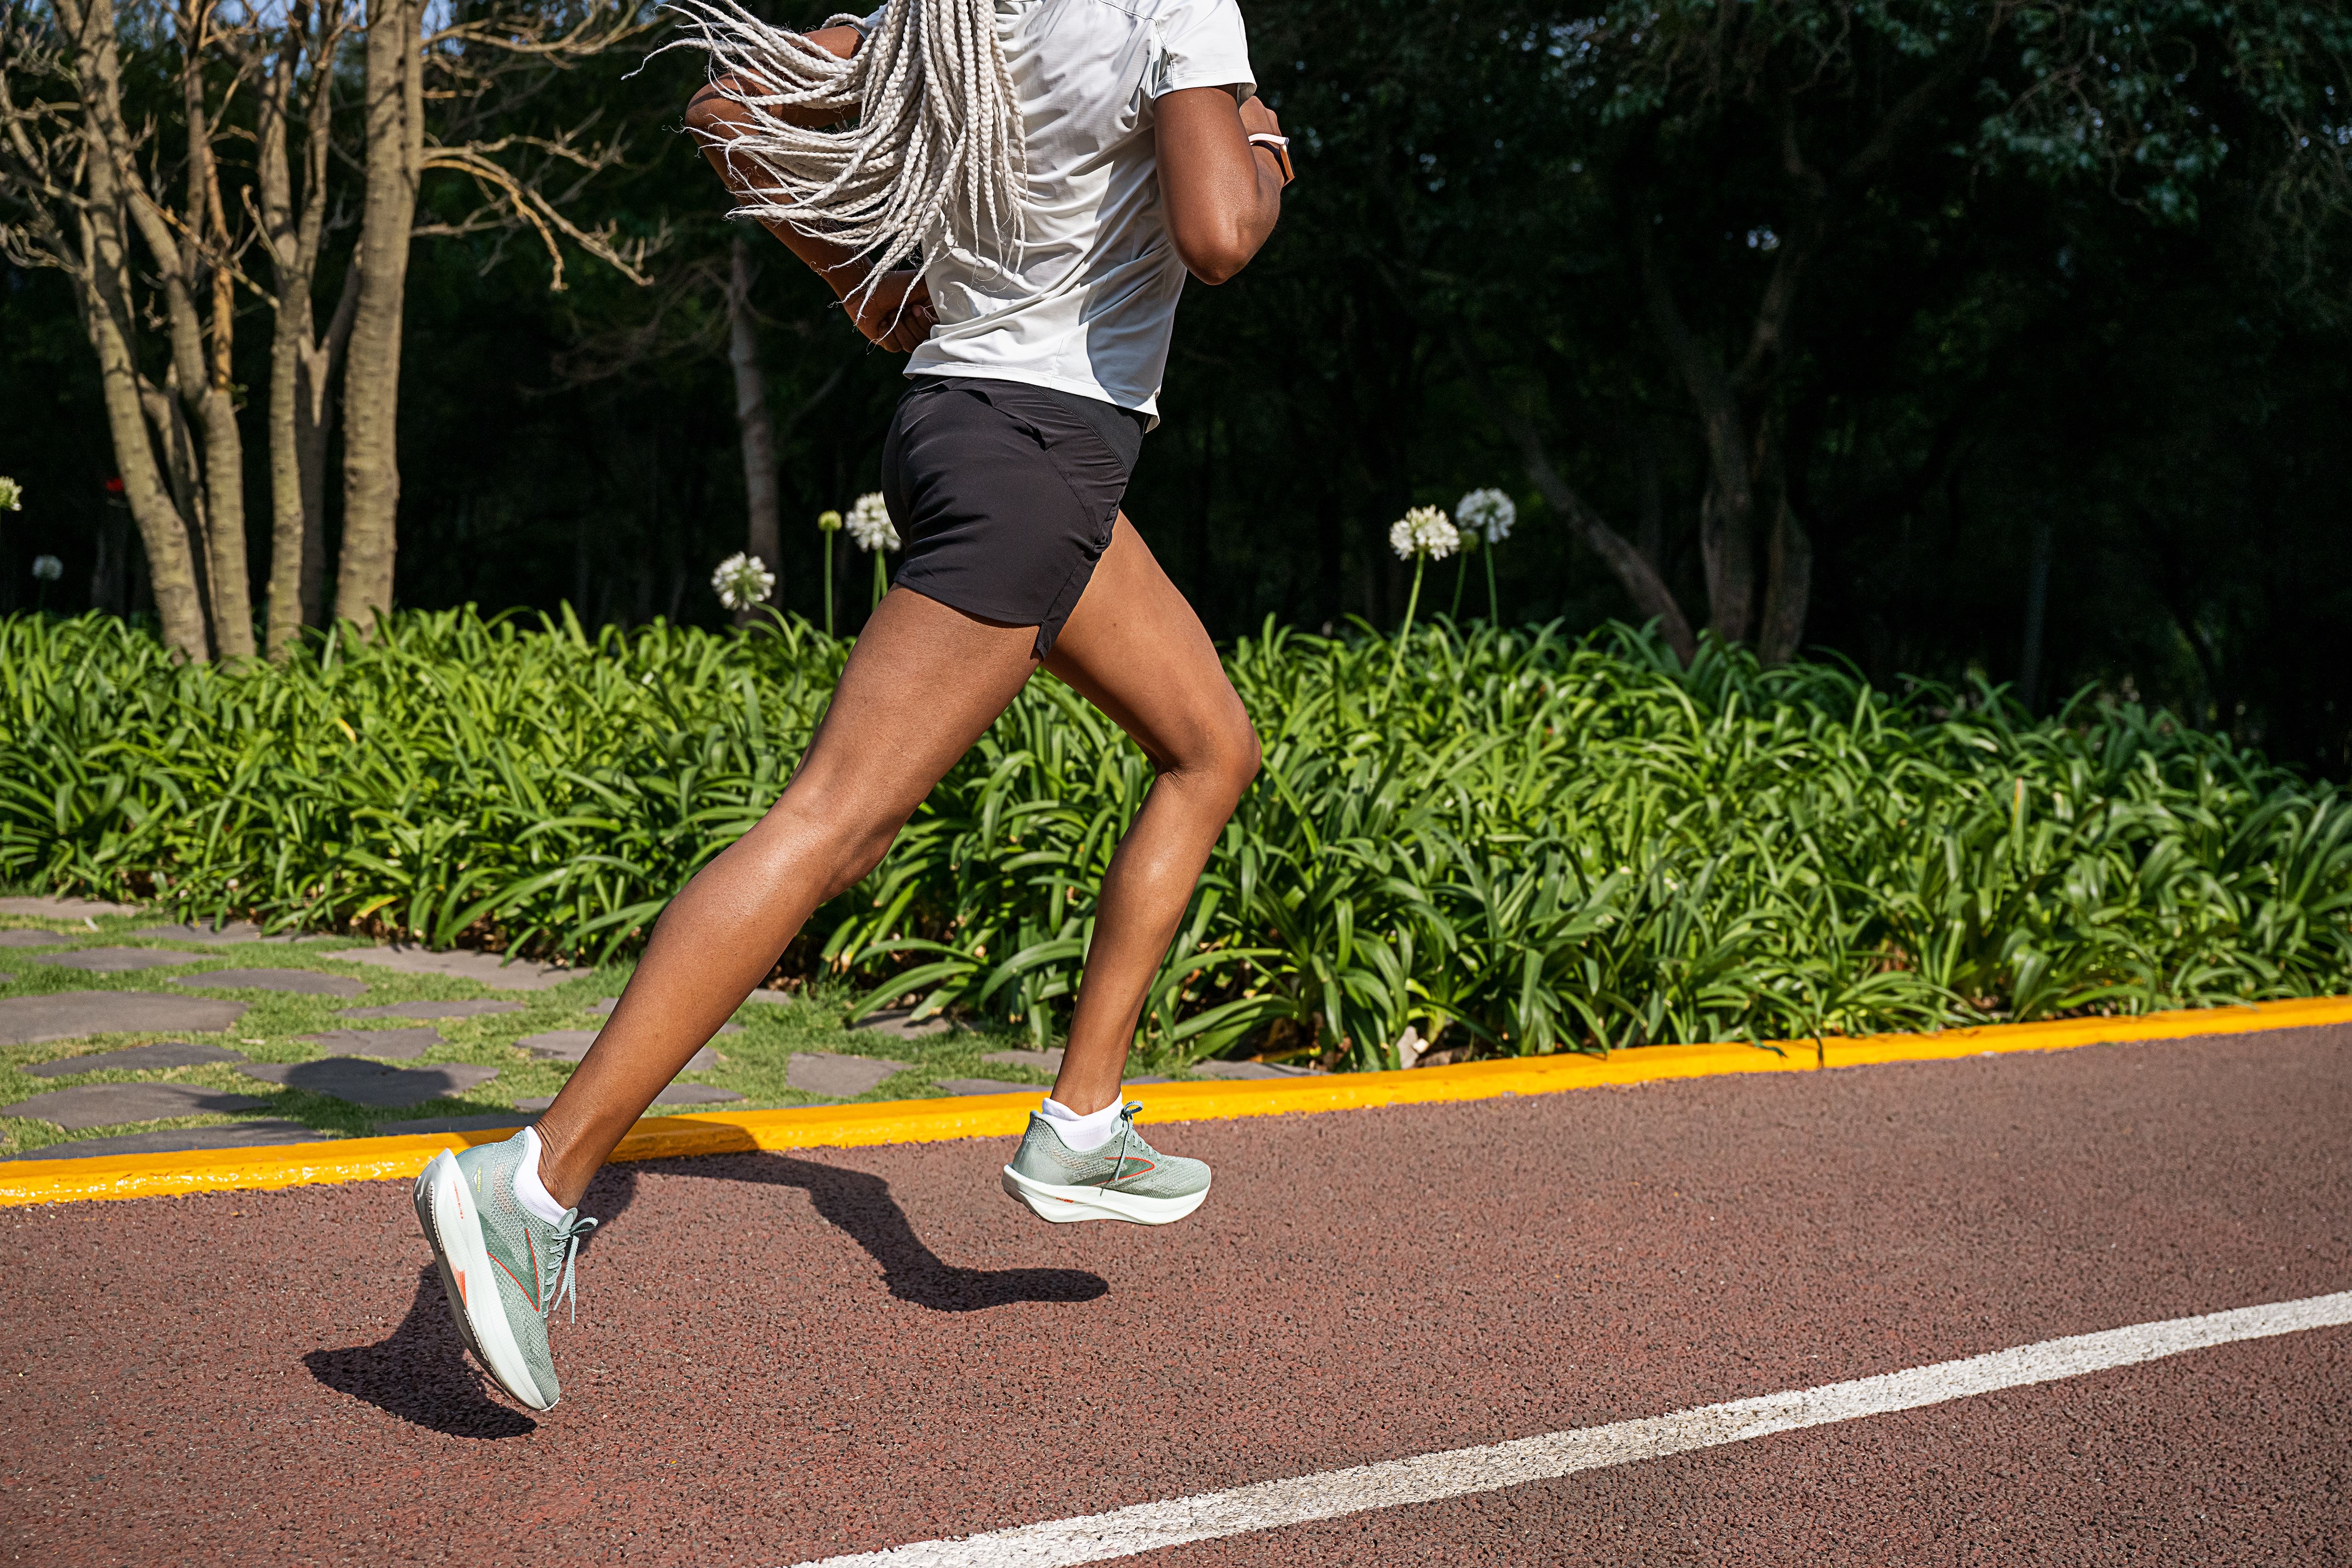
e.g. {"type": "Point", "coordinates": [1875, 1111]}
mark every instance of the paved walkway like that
{"type": "Point", "coordinates": [783, 1358]}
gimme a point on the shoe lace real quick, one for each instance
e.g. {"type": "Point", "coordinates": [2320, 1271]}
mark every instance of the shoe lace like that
{"type": "Point", "coordinates": [567, 1238]}
{"type": "Point", "coordinates": [1126, 1133]}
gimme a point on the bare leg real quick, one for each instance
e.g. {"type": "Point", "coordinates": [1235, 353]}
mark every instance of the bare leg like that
{"type": "Point", "coordinates": [922, 684]}
{"type": "Point", "coordinates": [1135, 649]}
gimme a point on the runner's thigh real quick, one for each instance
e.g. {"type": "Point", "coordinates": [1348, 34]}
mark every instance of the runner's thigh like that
{"type": "Point", "coordinates": [1134, 649]}
{"type": "Point", "coordinates": [922, 684]}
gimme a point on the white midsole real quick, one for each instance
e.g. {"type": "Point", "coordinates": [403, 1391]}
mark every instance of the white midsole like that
{"type": "Point", "coordinates": [457, 1236]}
{"type": "Point", "coordinates": [1067, 1205]}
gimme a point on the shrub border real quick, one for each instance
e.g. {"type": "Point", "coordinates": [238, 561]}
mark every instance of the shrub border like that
{"type": "Point", "coordinates": [1004, 1115]}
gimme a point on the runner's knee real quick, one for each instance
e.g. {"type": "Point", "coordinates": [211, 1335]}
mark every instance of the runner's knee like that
{"type": "Point", "coordinates": [1224, 755]}
{"type": "Point", "coordinates": [856, 853]}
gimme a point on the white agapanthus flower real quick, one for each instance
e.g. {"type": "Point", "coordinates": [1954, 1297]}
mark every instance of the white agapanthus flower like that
{"type": "Point", "coordinates": [1424, 531]}
{"type": "Point", "coordinates": [12, 495]}
{"type": "Point", "coordinates": [48, 568]}
{"type": "Point", "coordinates": [1490, 513]}
{"type": "Point", "coordinates": [870, 523]}
{"type": "Point", "coordinates": [742, 581]}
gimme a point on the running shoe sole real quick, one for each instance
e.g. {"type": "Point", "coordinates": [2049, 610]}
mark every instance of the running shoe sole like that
{"type": "Point", "coordinates": [1068, 1206]}
{"type": "Point", "coordinates": [444, 1209]}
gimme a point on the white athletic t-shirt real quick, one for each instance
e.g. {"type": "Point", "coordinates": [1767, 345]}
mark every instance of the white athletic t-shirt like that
{"type": "Point", "coordinates": [1098, 278]}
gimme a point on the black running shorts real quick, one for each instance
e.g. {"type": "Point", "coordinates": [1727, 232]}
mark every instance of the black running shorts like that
{"type": "Point", "coordinates": [1006, 494]}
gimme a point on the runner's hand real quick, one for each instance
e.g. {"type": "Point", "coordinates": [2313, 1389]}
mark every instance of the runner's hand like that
{"type": "Point", "coordinates": [893, 317]}
{"type": "Point", "coordinates": [1258, 119]}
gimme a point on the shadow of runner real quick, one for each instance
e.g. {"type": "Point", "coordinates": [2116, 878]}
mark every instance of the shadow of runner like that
{"type": "Point", "coordinates": [861, 1206]}
{"type": "Point", "coordinates": [421, 1374]}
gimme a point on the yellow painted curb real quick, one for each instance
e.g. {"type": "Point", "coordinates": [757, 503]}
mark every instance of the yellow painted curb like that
{"type": "Point", "coordinates": [1004, 1115]}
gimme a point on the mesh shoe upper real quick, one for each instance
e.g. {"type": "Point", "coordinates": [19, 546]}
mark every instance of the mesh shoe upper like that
{"type": "Point", "coordinates": [530, 1260]}
{"type": "Point", "coordinates": [1125, 1164]}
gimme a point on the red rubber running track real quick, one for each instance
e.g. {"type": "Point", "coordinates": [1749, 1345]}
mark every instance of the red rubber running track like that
{"type": "Point", "coordinates": [782, 1358]}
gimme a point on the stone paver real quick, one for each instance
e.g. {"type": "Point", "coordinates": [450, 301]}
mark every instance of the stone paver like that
{"type": "Point", "coordinates": [774, 998]}
{"type": "Point", "coordinates": [66, 1014]}
{"type": "Point", "coordinates": [372, 1083]}
{"type": "Point", "coordinates": [694, 1094]}
{"type": "Point", "coordinates": [572, 1045]}
{"type": "Point", "coordinates": [843, 1077]}
{"type": "Point", "coordinates": [892, 1021]}
{"type": "Point", "coordinates": [998, 1086]}
{"type": "Point", "coordinates": [308, 983]}
{"type": "Point", "coordinates": [1247, 1069]}
{"type": "Point", "coordinates": [235, 931]}
{"type": "Point", "coordinates": [110, 1104]}
{"type": "Point", "coordinates": [177, 1140]}
{"type": "Point", "coordinates": [453, 1124]}
{"type": "Point", "coordinates": [397, 1045]}
{"type": "Point", "coordinates": [137, 1058]}
{"type": "Point", "coordinates": [490, 969]}
{"type": "Point", "coordinates": [119, 960]}
{"type": "Point", "coordinates": [985, 1086]}
{"type": "Point", "coordinates": [60, 908]}
{"type": "Point", "coordinates": [1048, 1061]}
{"type": "Point", "coordinates": [34, 938]}
{"type": "Point", "coordinates": [473, 1009]}
{"type": "Point", "coordinates": [560, 1045]}
{"type": "Point", "coordinates": [675, 1094]}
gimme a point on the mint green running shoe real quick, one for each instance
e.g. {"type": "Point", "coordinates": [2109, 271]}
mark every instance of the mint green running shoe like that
{"type": "Point", "coordinates": [502, 1268]}
{"type": "Point", "coordinates": [1124, 1179]}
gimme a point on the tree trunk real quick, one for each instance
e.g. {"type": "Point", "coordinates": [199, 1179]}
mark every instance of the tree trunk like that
{"type": "Point", "coordinates": [314, 422]}
{"type": "Point", "coordinates": [1787, 588]}
{"type": "Point", "coordinates": [2037, 612]}
{"type": "Point", "coordinates": [394, 121]}
{"type": "Point", "coordinates": [110, 317]}
{"type": "Point", "coordinates": [1652, 600]}
{"type": "Point", "coordinates": [300, 366]}
{"type": "Point", "coordinates": [764, 535]}
{"type": "Point", "coordinates": [162, 529]}
{"type": "Point", "coordinates": [1726, 524]}
{"type": "Point", "coordinates": [203, 344]}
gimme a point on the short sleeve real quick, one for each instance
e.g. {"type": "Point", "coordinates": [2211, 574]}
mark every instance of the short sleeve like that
{"type": "Point", "coordinates": [865, 25]}
{"type": "Point", "coordinates": [1200, 43]}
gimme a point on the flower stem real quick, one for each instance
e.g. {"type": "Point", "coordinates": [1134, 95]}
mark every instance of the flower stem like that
{"type": "Point", "coordinates": [828, 583]}
{"type": "Point", "coordinates": [1461, 576]}
{"type": "Point", "coordinates": [1412, 602]}
{"type": "Point", "coordinates": [1494, 615]}
{"type": "Point", "coordinates": [881, 582]}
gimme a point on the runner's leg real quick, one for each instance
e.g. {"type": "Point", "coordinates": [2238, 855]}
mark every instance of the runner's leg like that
{"type": "Point", "coordinates": [1134, 649]}
{"type": "Point", "coordinates": [922, 684]}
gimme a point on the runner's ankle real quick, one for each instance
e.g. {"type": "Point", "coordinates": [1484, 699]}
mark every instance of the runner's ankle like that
{"type": "Point", "coordinates": [532, 1192]}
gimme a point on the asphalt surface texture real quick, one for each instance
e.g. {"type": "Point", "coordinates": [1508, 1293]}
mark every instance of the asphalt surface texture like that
{"type": "Point", "coordinates": [779, 1358]}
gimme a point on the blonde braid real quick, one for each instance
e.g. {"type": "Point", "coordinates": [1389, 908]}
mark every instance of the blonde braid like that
{"type": "Point", "coordinates": [932, 164]}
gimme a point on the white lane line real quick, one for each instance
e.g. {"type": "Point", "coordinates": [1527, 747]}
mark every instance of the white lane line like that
{"type": "Point", "coordinates": [1270, 1505]}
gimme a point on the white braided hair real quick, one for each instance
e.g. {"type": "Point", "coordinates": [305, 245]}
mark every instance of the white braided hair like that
{"type": "Point", "coordinates": [926, 161]}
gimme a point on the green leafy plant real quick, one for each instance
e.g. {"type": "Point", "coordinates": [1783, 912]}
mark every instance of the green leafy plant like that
{"type": "Point", "coordinates": [1528, 843]}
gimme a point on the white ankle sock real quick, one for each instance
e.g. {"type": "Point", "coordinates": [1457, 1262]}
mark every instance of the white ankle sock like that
{"type": "Point", "coordinates": [528, 1190]}
{"type": "Point", "coordinates": [1080, 1133]}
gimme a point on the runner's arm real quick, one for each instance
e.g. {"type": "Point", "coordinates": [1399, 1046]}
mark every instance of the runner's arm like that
{"type": "Point", "coordinates": [714, 117]}
{"type": "Point", "coordinates": [1221, 194]}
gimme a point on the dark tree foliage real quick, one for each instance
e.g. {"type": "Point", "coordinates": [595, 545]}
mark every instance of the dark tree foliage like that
{"type": "Point", "coordinates": [2035, 314]}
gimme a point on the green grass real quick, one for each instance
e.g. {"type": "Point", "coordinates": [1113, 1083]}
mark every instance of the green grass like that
{"type": "Point", "coordinates": [753, 1063]}
{"type": "Point", "coordinates": [1538, 843]}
